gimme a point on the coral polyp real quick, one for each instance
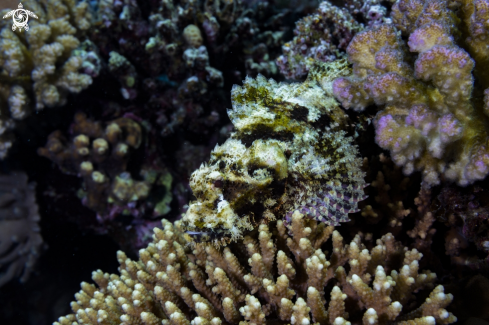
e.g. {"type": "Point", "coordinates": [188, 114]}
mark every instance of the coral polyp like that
{"type": "Point", "coordinates": [287, 153]}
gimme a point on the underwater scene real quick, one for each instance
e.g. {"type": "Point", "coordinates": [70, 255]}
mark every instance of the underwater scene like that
{"type": "Point", "coordinates": [244, 162]}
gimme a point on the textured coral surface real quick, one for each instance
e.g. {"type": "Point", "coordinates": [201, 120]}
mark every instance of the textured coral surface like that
{"type": "Point", "coordinates": [288, 279]}
{"type": "Point", "coordinates": [318, 37]}
{"type": "Point", "coordinates": [432, 116]}
{"type": "Point", "coordinates": [100, 155]}
{"type": "Point", "coordinates": [39, 67]}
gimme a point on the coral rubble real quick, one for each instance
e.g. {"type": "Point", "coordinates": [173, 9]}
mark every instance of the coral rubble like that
{"type": "Point", "coordinates": [288, 280]}
{"type": "Point", "coordinates": [288, 153]}
{"type": "Point", "coordinates": [432, 109]}
{"type": "Point", "coordinates": [40, 67]}
{"type": "Point", "coordinates": [20, 238]}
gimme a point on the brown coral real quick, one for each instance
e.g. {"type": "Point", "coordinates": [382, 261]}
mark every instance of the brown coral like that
{"type": "Point", "coordinates": [100, 156]}
{"type": "Point", "coordinates": [466, 212]}
{"type": "Point", "coordinates": [387, 191]}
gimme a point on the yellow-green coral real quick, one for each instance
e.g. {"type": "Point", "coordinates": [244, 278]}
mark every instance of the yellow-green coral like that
{"type": "Point", "coordinates": [287, 152]}
{"type": "Point", "coordinates": [41, 61]}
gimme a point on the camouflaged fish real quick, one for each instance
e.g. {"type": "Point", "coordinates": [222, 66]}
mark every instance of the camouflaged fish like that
{"type": "Point", "coordinates": [287, 153]}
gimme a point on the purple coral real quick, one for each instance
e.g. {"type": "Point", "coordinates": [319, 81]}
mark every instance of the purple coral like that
{"type": "Point", "coordinates": [428, 119]}
{"type": "Point", "coordinates": [315, 39]}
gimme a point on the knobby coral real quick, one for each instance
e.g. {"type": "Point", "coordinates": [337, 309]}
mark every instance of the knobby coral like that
{"type": "Point", "coordinates": [433, 115]}
{"type": "Point", "coordinates": [20, 238]}
{"type": "Point", "coordinates": [175, 52]}
{"type": "Point", "coordinates": [42, 62]}
{"type": "Point", "coordinates": [288, 153]}
{"type": "Point", "coordinates": [101, 157]}
{"type": "Point", "coordinates": [179, 27]}
{"type": "Point", "coordinates": [287, 280]}
{"type": "Point", "coordinates": [373, 11]}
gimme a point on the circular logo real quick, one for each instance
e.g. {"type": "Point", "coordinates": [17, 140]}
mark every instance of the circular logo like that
{"type": "Point", "coordinates": [20, 19]}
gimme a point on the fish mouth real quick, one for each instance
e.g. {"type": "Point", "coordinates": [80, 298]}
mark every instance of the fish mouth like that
{"type": "Point", "coordinates": [196, 233]}
{"type": "Point", "coordinates": [206, 236]}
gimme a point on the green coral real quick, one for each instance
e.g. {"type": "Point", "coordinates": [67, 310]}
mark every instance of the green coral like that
{"type": "Point", "coordinates": [163, 205]}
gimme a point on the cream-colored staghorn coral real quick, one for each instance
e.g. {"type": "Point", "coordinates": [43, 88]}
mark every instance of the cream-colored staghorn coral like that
{"type": "Point", "coordinates": [274, 275]}
{"type": "Point", "coordinates": [41, 61]}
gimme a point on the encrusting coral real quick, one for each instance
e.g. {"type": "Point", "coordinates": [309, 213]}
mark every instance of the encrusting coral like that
{"type": "Point", "coordinates": [317, 37]}
{"type": "Point", "coordinates": [287, 280]}
{"type": "Point", "coordinates": [287, 153]}
{"type": "Point", "coordinates": [432, 115]}
{"type": "Point", "coordinates": [42, 62]}
{"type": "Point", "coordinates": [20, 238]}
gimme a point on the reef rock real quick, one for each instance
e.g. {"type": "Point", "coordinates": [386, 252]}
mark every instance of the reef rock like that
{"type": "Point", "coordinates": [288, 152]}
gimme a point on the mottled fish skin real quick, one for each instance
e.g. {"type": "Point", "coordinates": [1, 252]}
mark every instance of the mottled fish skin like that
{"type": "Point", "coordinates": [288, 153]}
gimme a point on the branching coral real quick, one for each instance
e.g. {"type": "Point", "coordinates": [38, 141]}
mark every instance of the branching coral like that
{"type": "Point", "coordinates": [287, 280]}
{"type": "Point", "coordinates": [373, 11]}
{"type": "Point", "coordinates": [423, 230]}
{"type": "Point", "coordinates": [388, 190]}
{"type": "Point", "coordinates": [101, 157]}
{"type": "Point", "coordinates": [288, 153]}
{"type": "Point", "coordinates": [180, 50]}
{"type": "Point", "coordinates": [125, 72]}
{"type": "Point", "coordinates": [430, 120]}
{"type": "Point", "coordinates": [222, 26]}
{"type": "Point", "coordinates": [20, 238]}
{"type": "Point", "coordinates": [41, 61]}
